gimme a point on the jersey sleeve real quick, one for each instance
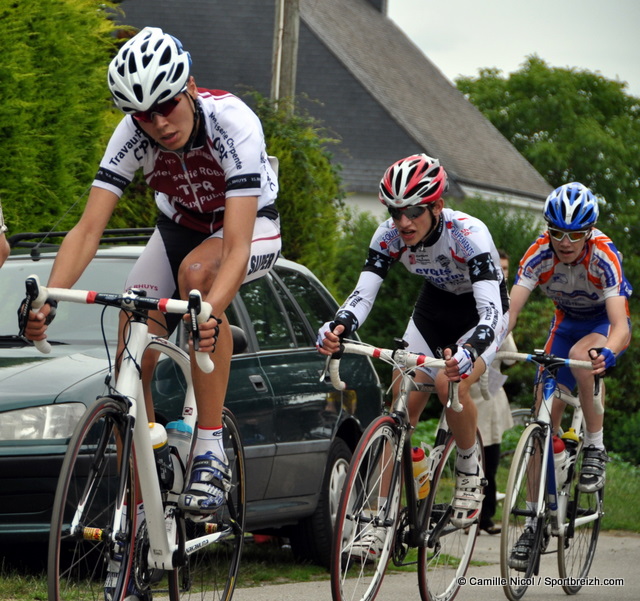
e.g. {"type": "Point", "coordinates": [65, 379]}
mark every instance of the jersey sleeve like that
{"type": "Point", "coordinates": [528, 274]}
{"type": "Point", "coordinates": [239, 142]}
{"type": "Point", "coordinates": [486, 291]}
{"type": "Point", "coordinates": [122, 157]}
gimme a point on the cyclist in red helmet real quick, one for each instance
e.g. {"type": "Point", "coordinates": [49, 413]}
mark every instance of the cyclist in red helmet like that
{"type": "Point", "coordinates": [461, 313]}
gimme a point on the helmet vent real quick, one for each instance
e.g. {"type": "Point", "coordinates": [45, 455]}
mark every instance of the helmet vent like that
{"type": "Point", "coordinates": [157, 81]}
{"type": "Point", "coordinates": [139, 92]}
{"type": "Point", "coordinates": [166, 57]}
{"type": "Point", "coordinates": [133, 67]}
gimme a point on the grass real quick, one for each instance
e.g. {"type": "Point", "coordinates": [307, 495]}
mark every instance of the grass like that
{"type": "Point", "coordinates": [272, 562]}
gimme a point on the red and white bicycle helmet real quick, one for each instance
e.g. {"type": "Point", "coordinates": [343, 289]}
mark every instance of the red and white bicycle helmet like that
{"type": "Point", "coordinates": [151, 67]}
{"type": "Point", "coordinates": [415, 180]}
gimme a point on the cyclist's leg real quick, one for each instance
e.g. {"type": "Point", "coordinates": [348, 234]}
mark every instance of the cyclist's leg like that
{"type": "Point", "coordinates": [210, 474]}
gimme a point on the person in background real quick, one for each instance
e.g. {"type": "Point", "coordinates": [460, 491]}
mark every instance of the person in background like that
{"type": "Point", "coordinates": [494, 419]}
{"type": "Point", "coordinates": [4, 244]}
{"type": "Point", "coordinates": [578, 267]}
{"type": "Point", "coordinates": [461, 313]}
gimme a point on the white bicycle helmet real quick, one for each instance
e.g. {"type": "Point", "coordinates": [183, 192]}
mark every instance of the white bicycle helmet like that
{"type": "Point", "coordinates": [151, 67]}
{"type": "Point", "coordinates": [414, 180]}
{"type": "Point", "coordinates": [571, 207]}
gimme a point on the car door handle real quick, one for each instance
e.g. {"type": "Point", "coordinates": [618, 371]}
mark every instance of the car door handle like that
{"type": "Point", "coordinates": [258, 383]}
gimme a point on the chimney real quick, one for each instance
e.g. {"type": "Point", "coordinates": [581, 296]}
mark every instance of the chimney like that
{"type": "Point", "coordinates": [380, 5]}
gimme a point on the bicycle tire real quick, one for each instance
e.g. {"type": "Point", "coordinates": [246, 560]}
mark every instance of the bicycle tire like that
{"type": "Point", "coordinates": [357, 569]}
{"type": "Point", "coordinates": [446, 557]}
{"type": "Point", "coordinates": [577, 542]}
{"type": "Point", "coordinates": [211, 571]}
{"type": "Point", "coordinates": [524, 476]}
{"type": "Point", "coordinates": [92, 473]}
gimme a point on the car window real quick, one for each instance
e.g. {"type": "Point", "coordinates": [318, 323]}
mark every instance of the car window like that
{"type": "Point", "coordinates": [74, 323]}
{"type": "Point", "coordinates": [312, 301]}
{"type": "Point", "coordinates": [267, 315]}
{"type": "Point", "coordinates": [300, 329]}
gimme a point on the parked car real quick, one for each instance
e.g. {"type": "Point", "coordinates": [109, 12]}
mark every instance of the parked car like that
{"type": "Point", "coordinates": [298, 432]}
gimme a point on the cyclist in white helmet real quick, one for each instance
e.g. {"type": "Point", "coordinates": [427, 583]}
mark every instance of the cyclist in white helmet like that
{"type": "Point", "coordinates": [580, 270]}
{"type": "Point", "coordinates": [461, 313]}
{"type": "Point", "coordinates": [203, 153]}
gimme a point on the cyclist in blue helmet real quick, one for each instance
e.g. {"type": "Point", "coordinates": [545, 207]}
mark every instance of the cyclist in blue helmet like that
{"type": "Point", "coordinates": [580, 270]}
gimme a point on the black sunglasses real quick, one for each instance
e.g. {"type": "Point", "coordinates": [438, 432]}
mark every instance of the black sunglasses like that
{"type": "Point", "coordinates": [162, 108]}
{"type": "Point", "coordinates": [409, 212]}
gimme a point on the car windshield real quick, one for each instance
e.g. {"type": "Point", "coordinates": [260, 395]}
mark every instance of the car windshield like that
{"type": "Point", "coordinates": [74, 323]}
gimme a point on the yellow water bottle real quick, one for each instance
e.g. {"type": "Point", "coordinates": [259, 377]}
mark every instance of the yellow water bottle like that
{"type": "Point", "coordinates": [420, 472]}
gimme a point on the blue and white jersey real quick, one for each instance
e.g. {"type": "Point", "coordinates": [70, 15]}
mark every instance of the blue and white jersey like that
{"type": "Point", "coordinates": [578, 289]}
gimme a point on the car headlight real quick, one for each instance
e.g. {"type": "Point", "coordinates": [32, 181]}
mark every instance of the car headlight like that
{"type": "Point", "coordinates": [40, 423]}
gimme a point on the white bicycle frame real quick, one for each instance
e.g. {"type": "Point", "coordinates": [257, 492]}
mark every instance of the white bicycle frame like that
{"type": "Point", "coordinates": [557, 499]}
{"type": "Point", "coordinates": [161, 524]}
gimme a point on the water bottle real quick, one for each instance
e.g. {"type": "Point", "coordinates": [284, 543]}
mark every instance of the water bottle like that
{"type": "Point", "coordinates": [571, 441]}
{"type": "Point", "coordinates": [179, 434]}
{"type": "Point", "coordinates": [162, 453]}
{"type": "Point", "coordinates": [560, 461]}
{"type": "Point", "coordinates": [420, 472]}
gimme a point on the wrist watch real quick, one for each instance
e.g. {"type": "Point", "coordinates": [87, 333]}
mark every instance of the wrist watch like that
{"type": "Point", "coordinates": [472, 351]}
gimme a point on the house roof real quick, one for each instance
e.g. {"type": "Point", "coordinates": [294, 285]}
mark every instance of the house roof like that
{"type": "Point", "coordinates": [420, 98]}
{"type": "Point", "coordinates": [361, 76]}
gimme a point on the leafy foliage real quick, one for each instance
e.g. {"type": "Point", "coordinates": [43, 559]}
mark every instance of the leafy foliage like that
{"type": "Point", "coordinates": [310, 196]}
{"type": "Point", "coordinates": [55, 106]}
{"type": "Point", "coordinates": [577, 126]}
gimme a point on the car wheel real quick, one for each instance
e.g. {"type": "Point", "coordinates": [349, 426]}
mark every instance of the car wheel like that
{"type": "Point", "coordinates": [311, 538]}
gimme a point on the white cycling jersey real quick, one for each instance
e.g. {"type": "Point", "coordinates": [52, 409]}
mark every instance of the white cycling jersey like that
{"type": "Point", "coordinates": [227, 158]}
{"type": "Point", "coordinates": [464, 286]}
{"type": "Point", "coordinates": [581, 288]}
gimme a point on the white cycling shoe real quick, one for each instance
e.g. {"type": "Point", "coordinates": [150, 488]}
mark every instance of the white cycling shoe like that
{"type": "Point", "coordinates": [467, 501]}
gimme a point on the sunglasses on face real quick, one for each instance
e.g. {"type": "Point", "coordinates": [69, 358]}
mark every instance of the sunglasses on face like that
{"type": "Point", "coordinates": [558, 235]}
{"type": "Point", "coordinates": [410, 212]}
{"type": "Point", "coordinates": [163, 109]}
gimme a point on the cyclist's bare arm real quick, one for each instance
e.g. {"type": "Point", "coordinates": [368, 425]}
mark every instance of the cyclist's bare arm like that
{"type": "Point", "coordinates": [519, 296]}
{"type": "Point", "coordinates": [619, 334]}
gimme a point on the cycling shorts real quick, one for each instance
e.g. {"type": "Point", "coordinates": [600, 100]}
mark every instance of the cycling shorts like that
{"type": "Point", "coordinates": [156, 270]}
{"type": "Point", "coordinates": [564, 332]}
{"type": "Point", "coordinates": [430, 338]}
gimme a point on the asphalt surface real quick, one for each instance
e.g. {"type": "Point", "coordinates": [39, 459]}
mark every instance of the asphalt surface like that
{"type": "Point", "coordinates": [617, 557]}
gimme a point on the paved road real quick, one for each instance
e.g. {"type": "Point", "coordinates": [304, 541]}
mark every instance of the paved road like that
{"type": "Point", "coordinates": [617, 556]}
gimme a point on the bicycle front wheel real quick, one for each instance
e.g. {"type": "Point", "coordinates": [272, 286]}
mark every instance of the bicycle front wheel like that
{"type": "Point", "coordinates": [579, 536]}
{"type": "Point", "coordinates": [519, 513]}
{"type": "Point", "coordinates": [446, 556]}
{"type": "Point", "coordinates": [212, 565]}
{"type": "Point", "coordinates": [95, 479]}
{"type": "Point", "coordinates": [367, 515]}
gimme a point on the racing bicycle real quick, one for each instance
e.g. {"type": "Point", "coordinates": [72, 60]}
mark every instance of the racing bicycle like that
{"type": "Point", "coordinates": [381, 468]}
{"type": "Point", "coordinates": [98, 550]}
{"type": "Point", "coordinates": [546, 500]}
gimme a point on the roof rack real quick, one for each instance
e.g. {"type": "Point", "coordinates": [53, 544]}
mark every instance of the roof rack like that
{"type": "Point", "coordinates": [38, 240]}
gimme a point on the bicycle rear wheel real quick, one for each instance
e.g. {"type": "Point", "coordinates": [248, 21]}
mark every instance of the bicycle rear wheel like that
{"type": "Point", "coordinates": [579, 538]}
{"type": "Point", "coordinates": [94, 481]}
{"type": "Point", "coordinates": [211, 569]}
{"type": "Point", "coordinates": [519, 511]}
{"type": "Point", "coordinates": [446, 556]}
{"type": "Point", "coordinates": [365, 524]}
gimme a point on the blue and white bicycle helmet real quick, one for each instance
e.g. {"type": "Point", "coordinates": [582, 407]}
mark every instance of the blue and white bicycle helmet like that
{"type": "Point", "coordinates": [571, 207]}
{"type": "Point", "coordinates": [151, 67]}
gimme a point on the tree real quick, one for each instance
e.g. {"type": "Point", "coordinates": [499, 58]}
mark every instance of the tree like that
{"type": "Point", "coordinates": [55, 106]}
{"type": "Point", "coordinates": [571, 125]}
{"type": "Point", "coordinates": [310, 194]}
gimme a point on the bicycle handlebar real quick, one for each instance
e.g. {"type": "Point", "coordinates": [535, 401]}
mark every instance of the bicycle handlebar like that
{"type": "Point", "coordinates": [545, 360]}
{"type": "Point", "coordinates": [392, 357]}
{"type": "Point", "coordinates": [128, 301]}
